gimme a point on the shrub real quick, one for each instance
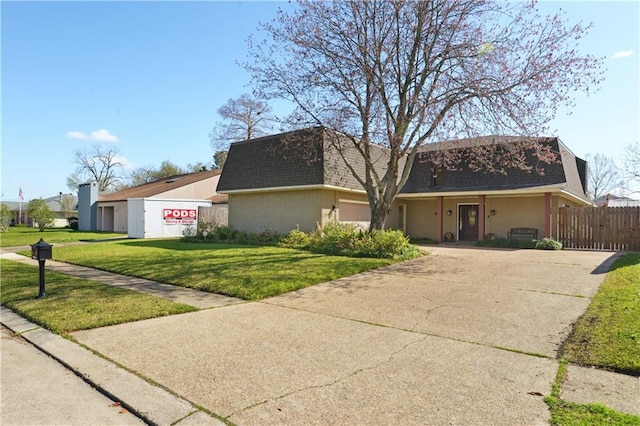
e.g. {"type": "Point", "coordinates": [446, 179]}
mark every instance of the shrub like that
{"type": "Point", "coordinates": [5, 218]}
{"type": "Point", "coordinates": [73, 223]}
{"type": "Point", "coordinates": [507, 243]}
{"type": "Point", "coordinates": [544, 244]}
{"type": "Point", "coordinates": [422, 240]}
{"type": "Point", "coordinates": [346, 240]}
{"type": "Point", "coordinates": [296, 239]}
{"type": "Point", "coordinates": [226, 234]}
{"type": "Point", "coordinates": [40, 213]}
{"type": "Point", "coordinates": [548, 244]}
{"type": "Point", "coordinates": [189, 232]}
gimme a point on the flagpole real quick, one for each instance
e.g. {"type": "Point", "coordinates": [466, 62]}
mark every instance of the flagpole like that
{"type": "Point", "coordinates": [21, 196]}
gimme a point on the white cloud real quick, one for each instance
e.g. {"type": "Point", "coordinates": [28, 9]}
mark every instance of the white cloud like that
{"type": "Point", "coordinates": [622, 54]}
{"type": "Point", "coordinates": [126, 164]}
{"type": "Point", "coordinates": [101, 135]}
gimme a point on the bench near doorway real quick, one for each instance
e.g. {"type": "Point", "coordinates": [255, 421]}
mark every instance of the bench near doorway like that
{"type": "Point", "coordinates": [523, 234]}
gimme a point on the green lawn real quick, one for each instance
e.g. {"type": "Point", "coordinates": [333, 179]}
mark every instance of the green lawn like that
{"type": "Point", "coordinates": [564, 413]}
{"type": "Point", "coordinates": [23, 236]}
{"type": "Point", "coordinates": [248, 272]}
{"type": "Point", "coordinates": [76, 304]}
{"type": "Point", "coordinates": [608, 334]}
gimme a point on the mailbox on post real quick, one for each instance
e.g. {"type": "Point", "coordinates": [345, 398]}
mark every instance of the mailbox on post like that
{"type": "Point", "coordinates": [41, 251]}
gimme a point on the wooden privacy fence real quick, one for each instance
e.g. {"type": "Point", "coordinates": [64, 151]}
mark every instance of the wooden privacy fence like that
{"type": "Point", "coordinates": [600, 228]}
{"type": "Point", "coordinates": [217, 214]}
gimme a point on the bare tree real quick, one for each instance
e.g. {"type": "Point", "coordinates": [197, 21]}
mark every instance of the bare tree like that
{"type": "Point", "coordinates": [603, 175]}
{"type": "Point", "coordinates": [632, 160]}
{"type": "Point", "coordinates": [242, 118]}
{"type": "Point", "coordinates": [143, 175]}
{"type": "Point", "coordinates": [73, 182]}
{"type": "Point", "coordinates": [68, 204]}
{"type": "Point", "coordinates": [402, 74]}
{"type": "Point", "coordinates": [102, 165]}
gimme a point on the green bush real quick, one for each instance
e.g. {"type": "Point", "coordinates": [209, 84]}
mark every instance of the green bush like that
{"type": "Point", "coordinates": [73, 223]}
{"type": "Point", "coordinates": [226, 234]}
{"type": "Point", "coordinates": [5, 218]}
{"type": "Point", "coordinates": [544, 244]}
{"type": "Point", "coordinates": [41, 214]}
{"type": "Point", "coordinates": [548, 244]}
{"type": "Point", "coordinates": [422, 240]}
{"type": "Point", "coordinates": [296, 239]}
{"type": "Point", "coordinates": [346, 240]}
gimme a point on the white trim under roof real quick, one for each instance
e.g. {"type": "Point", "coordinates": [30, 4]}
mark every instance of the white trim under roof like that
{"type": "Point", "coordinates": [536, 190]}
{"type": "Point", "coordinates": [504, 192]}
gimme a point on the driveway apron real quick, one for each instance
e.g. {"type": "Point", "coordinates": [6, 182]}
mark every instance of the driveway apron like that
{"type": "Point", "coordinates": [461, 336]}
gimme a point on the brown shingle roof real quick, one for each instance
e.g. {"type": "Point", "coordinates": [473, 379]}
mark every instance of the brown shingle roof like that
{"type": "Point", "coordinates": [263, 163]}
{"type": "Point", "coordinates": [274, 162]}
{"type": "Point", "coordinates": [158, 187]}
{"type": "Point", "coordinates": [564, 172]}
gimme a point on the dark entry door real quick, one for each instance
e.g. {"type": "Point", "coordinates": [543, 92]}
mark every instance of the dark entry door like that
{"type": "Point", "coordinates": [468, 222]}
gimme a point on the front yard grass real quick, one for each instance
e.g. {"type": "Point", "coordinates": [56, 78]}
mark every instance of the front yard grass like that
{"type": "Point", "coordinates": [247, 272]}
{"type": "Point", "coordinates": [570, 413]}
{"type": "Point", "coordinates": [608, 334]}
{"type": "Point", "coordinates": [23, 236]}
{"type": "Point", "coordinates": [76, 304]}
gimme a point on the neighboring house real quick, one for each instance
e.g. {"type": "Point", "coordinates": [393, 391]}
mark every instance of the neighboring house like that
{"type": "Point", "coordinates": [611, 200]}
{"type": "Point", "coordinates": [140, 211]}
{"type": "Point", "coordinates": [623, 202]}
{"type": "Point", "coordinates": [278, 185]}
{"type": "Point", "coordinates": [62, 205]}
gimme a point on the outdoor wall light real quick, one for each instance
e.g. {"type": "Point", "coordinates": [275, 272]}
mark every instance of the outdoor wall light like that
{"type": "Point", "coordinates": [493, 212]}
{"type": "Point", "coordinates": [449, 212]}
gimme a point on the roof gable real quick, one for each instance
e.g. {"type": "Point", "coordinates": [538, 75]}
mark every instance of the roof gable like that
{"type": "Point", "coordinates": [159, 186]}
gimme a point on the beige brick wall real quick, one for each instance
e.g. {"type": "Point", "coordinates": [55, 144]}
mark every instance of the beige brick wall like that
{"type": "Point", "coordinates": [514, 212]}
{"type": "Point", "coordinates": [511, 212]}
{"type": "Point", "coordinates": [285, 210]}
{"type": "Point", "coordinates": [277, 211]}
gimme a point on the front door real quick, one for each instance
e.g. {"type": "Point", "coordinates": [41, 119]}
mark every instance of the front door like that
{"type": "Point", "coordinates": [468, 222]}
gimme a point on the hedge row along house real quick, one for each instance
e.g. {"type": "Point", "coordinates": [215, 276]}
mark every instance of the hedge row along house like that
{"type": "Point", "coordinates": [299, 180]}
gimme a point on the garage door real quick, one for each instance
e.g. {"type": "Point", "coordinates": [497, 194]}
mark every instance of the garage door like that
{"type": "Point", "coordinates": [351, 211]}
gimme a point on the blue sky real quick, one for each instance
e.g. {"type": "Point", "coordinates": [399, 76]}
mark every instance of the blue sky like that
{"type": "Point", "coordinates": [148, 77]}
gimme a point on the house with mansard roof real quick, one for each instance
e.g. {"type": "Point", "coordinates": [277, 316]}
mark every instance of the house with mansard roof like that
{"type": "Point", "coordinates": [299, 180]}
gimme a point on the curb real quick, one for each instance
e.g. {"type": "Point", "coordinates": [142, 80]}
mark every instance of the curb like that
{"type": "Point", "coordinates": [152, 404]}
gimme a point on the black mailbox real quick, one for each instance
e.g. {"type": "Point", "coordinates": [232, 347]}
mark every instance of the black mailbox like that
{"type": "Point", "coordinates": [41, 250]}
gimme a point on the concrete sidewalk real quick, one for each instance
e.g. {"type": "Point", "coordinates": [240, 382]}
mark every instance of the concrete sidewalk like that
{"type": "Point", "coordinates": [188, 296]}
{"type": "Point", "coordinates": [152, 404]}
{"type": "Point", "coordinates": [35, 389]}
{"type": "Point", "coordinates": [462, 336]}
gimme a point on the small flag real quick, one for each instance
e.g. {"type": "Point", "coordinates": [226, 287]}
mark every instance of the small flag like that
{"type": "Point", "coordinates": [21, 194]}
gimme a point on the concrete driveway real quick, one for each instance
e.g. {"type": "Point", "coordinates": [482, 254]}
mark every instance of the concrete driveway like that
{"type": "Point", "coordinates": [462, 336]}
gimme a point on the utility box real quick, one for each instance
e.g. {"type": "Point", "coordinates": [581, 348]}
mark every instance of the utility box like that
{"type": "Point", "coordinates": [155, 218]}
{"type": "Point", "coordinates": [41, 250]}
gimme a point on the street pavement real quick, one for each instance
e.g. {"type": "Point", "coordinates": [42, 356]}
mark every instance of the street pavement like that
{"type": "Point", "coordinates": [36, 389]}
{"type": "Point", "coordinates": [463, 336]}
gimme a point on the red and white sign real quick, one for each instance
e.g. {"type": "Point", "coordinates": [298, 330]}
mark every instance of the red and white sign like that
{"type": "Point", "coordinates": [180, 216]}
